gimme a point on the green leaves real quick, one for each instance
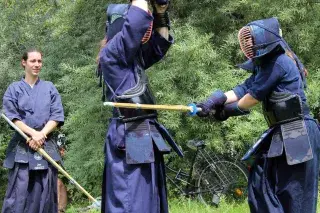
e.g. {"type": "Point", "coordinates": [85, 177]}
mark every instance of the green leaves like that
{"type": "Point", "coordinates": [201, 60]}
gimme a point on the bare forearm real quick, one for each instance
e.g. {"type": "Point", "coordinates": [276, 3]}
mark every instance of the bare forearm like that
{"type": "Point", "coordinates": [24, 127]}
{"type": "Point", "coordinates": [231, 97]}
{"type": "Point", "coordinates": [164, 32]}
{"type": "Point", "coordinates": [160, 13]}
{"type": "Point", "coordinates": [49, 127]}
{"type": "Point", "coordinates": [141, 4]}
{"type": "Point", "coordinates": [247, 101]}
{"type": "Point", "coordinates": [38, 138]}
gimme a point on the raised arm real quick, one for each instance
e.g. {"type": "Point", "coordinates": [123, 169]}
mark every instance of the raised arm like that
{"type": "Point", "coordinates": [123, 47]}
{"type": "Point", "coordinates": [161, 40]}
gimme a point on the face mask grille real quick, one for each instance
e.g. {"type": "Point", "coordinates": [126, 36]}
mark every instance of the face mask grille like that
{"type": "Point", "coordinates": [246, 42]}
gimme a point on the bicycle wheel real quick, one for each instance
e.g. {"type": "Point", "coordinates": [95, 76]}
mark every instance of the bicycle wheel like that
{"type": "Point", "coordinates": [222, 178]}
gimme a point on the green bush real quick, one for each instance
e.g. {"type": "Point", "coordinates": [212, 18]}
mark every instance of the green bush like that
{"type": "Point", "coordinates": [201, 61]}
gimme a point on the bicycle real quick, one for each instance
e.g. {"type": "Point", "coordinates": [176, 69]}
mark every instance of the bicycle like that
{"type": "Point", "coordinates": [216, 177]}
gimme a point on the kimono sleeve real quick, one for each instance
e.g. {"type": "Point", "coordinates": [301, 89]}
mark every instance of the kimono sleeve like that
{"type": "Point", "coordinates": [155, 49]}
{"type": "Point", "coordinates": [10, 104]}
{"type": "Point", "coordinates": [265, 81]}
{"type": "Point", "coordinates": [56, 108]}
{"type": "Point", "coordinates": [242, 89]}
{"type": "Point", "coordinates": [124, 45]}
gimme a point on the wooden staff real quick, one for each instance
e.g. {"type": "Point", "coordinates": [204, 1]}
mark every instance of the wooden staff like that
{"type": "Point", "coordinates": [46, 156]}
{"type": "Point", "coordinates": [191, 108]}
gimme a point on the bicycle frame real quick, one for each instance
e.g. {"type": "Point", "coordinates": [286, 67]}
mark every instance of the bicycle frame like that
{"type": "Point", "coordinates": [217, 170]}
{"type": "Point", "coordinates": [185, 177]}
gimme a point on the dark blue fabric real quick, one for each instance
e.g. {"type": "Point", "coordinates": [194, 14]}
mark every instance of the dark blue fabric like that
{"type": "Point", "coordinates": [276, 187]}
{"type": "Point", "coordinates": [216, 100]}
{"type": "Point", "coordinates": [118, 58]}
{"type": "Point", "coordinates": [168, 137]}
{"type": "Point", "coordinates": [229, 110]}
{"type": "Point", "coordinates": [247, 65]}
{"type": "Point", "coordinates": [162, 2]}
{"type": "Point", "coordinates": [138, 143]}
{"type": "Point", "coordinates": [266, 36]}
{"type": "Point", "coordinates": [241, 89]}
{"type": "Point", "coordinates": [31, 191]}
{"type": "Point", "coordinates": [279, 74]}
{"type": "Point", "coordinates": [115, 19]}
{"type": "Point", "coordinates": [261, 143]}
{"type": "Point", "coordinates": [131, 187]}
{"type": "Point", "coordinates": [35, 107]}
{"type": "Point", "coordinates": [267, 40]}
{"type": "Point", "coordinates": [155, 49]}
{"type": "Point", "coordinates": [127, 187]}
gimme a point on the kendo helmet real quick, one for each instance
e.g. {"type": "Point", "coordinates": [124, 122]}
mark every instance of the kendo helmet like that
{"type": "Point", "coordinates": [116, 15]}
{"type": "Point", "coordinates": [115, 19]}
{"type": "Point", "coordinates": [261, 37]}
{"type": "Point", "coordinates": [258, 38]}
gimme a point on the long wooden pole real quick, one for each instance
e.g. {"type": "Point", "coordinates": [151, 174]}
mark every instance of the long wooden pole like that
{"type": "Point", "coordinates": [46, 156]}
{"type": "Point", "coordinates": [152, 106]}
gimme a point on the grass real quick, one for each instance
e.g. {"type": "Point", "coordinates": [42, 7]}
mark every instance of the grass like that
{"type": "Point", "coordinates": [185, 205]}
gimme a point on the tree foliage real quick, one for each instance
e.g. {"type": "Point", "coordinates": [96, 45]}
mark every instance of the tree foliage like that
{"type": "Point", "coordinates": [201, 60]}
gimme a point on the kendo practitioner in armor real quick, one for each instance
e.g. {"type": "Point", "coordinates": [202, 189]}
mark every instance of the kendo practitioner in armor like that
{"type": "Point", "coordinates": [134, 175]}
{"type": "Point", "coordinates": [284, 175]}
{"type": "Point", "coordinates": [34, 105]}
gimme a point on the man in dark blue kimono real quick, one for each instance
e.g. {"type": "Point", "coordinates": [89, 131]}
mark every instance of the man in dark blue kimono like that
{"type": "Point", "coordinates": [134, 176]}
{"type": "Point", "coordinates": [35, 107]}
{"type": "Point", "coordinates": [284, 175]}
